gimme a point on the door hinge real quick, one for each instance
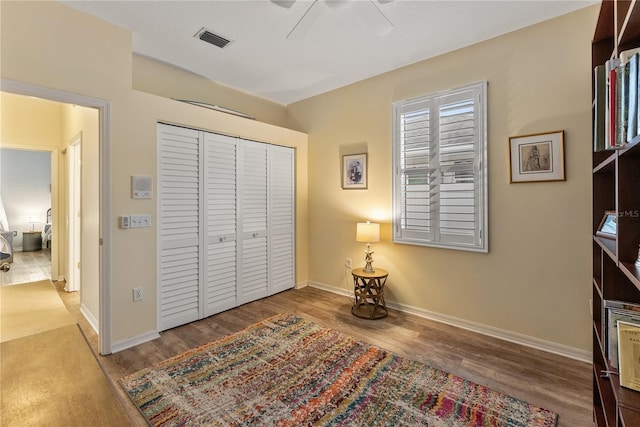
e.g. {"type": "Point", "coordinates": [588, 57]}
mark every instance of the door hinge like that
{"type": "Point", "coordinates": [78, 266]}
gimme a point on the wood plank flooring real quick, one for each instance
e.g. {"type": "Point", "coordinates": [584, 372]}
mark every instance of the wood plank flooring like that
{"type": "Point", "coordinates": [550, 381]}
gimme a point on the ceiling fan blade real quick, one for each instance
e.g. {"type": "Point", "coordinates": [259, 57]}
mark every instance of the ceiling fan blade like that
{"type": "Point", "coordinates": [307, 20]}
{"type": "Point", "coordinates": [284, 3]}
{"type": "Point", "coordinates": [373, 17]}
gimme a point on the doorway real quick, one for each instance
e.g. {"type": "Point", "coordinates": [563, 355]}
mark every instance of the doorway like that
{"type": "Point", "coordinates": [74, 214]}
{"type": "Point", "coordinates": [99, 317]}
{"type": "Point", "coordinates": [26, 201]}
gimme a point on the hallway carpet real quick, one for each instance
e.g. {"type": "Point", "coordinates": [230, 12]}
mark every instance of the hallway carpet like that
{"type": "Point", "coordinates": [29, 309]}
{"type": "Point", "coordinates": [53, 379]}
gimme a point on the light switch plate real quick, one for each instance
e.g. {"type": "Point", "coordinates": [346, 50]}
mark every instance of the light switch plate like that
{"type": "Point", "coordinates": [140, 221]}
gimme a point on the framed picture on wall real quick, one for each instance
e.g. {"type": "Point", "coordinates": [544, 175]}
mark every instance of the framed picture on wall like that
{"type": "Point", "coordinates": [354, 172]}
{"type": "Point", "coordinates": [538, 157]}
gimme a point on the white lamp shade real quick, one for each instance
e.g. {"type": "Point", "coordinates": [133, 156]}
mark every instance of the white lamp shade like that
{"type": "Point", "coordinates": [367, 232]}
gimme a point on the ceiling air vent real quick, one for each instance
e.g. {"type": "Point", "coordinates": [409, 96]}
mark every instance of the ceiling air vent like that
{"type": "Point", "coordinates": [214, 39]}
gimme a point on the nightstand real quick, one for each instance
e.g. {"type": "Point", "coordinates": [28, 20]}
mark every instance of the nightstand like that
{"type": "Point", "coordinates": [31, 241]}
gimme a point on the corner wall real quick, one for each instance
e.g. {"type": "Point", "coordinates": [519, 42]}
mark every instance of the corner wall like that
{"type": "Point", "coordinates": [47, 44]}
{"type": "Point", "coordinates": [535, 281]}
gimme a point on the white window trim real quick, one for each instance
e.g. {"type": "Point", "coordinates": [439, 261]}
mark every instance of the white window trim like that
{"type": "Point", "coordinates": [481, 171]}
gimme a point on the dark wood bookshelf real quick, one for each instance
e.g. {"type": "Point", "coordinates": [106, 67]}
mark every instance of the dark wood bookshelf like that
{"type": "Point", "coordinates": [616, 176]}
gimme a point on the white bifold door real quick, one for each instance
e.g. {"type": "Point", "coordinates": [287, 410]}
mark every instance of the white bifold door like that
{"type": "Point", "coordinates": [226, 223]}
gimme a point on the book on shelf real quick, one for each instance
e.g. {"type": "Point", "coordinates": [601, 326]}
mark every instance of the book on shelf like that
{"type": "Point", "coordinates": [637, 91]}
{"type": "Point", "coordinates": [632, 122]}
{"type": "Point", "coordinates": [612, 91]}
{"type": "Point", "coordinates": [625, 56]}
{"type": "Point", "coordinates": [621, 120]}
{"type": "Point", "coordinates": [629, 353]}
{"type": "Point", "coordinates": [622, 104]}
{"type": "Point", "coordinates": [600, 108]}
{"type": "Point", "coordinates": [631, 59]}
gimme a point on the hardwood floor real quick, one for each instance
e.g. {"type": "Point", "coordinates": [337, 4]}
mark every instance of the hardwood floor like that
{"type": "Point", "coordinates": [550, 381]}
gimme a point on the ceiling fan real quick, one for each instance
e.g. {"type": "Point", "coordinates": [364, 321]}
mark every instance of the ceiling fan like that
{"type": "Point", "coordinates": [367, 10]}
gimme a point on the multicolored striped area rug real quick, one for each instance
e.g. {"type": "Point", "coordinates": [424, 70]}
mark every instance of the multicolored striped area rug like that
{"type": "Point", "coordinates": [286, 371]}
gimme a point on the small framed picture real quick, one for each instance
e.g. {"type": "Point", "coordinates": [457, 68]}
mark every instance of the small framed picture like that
{"type": "Point", "coordinates": [629, 354]}
{"type": "Point", "coordinates": [615, 311]}
{"type": "Point", "coordinates": [538, 157]}
{"type": "Point", "coordinates": [354, 172]}
{"type": "Point", "coordinates": [608, 225]}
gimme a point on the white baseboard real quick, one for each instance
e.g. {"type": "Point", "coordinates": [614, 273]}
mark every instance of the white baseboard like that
{"type": "Point", "coordinates": [525, 340]}
{"type": "Point", "coordinates": [134, 341]}
{"type": "Point", "coordinates": [93, 322]}
{"type": "Point", "coordinates": [301, 285]}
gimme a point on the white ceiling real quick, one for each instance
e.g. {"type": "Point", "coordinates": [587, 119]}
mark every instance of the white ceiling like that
{"type": "Point", "coordinates": [337, 50]}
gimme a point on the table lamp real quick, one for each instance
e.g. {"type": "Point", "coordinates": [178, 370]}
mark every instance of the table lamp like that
{"type": "Point", "coordinates": [368, 232]}
{"type": "Point", "coordinates": [33, 220]}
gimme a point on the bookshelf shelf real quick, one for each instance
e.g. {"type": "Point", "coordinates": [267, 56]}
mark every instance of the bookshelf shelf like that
{"type": "Point", "coordinates": [616, 174]}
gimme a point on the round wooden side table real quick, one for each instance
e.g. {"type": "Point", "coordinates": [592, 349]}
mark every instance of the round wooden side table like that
{"type": "Point", "coordinates": [369, 293]}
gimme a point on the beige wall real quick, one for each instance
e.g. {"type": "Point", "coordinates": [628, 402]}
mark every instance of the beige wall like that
{"type": "Point", "coordinates": [165, 80]}
{"type": "Point", "coordinates": [26, 122]}
{"type": "Point", "coordinates": [84, 121]}
{"type": "Point", "coordinates": [48, 44]}
{"type": "Point", "coordinates": [536, 279]}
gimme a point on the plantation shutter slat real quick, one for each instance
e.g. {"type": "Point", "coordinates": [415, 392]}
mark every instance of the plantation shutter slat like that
{"type": "Point", "coordinates": [440, 170]}
{"type": "Point", "coordinates": [179, 275]}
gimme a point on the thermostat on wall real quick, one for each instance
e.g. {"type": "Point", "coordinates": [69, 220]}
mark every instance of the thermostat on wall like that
{"type": "Point", "coordinates": [141, 187]}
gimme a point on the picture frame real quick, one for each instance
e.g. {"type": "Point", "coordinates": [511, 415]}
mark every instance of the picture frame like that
{"type": "Point", "coordinates": [537, 157]}
{"type": "Point", "coordinates": [608, 227]}
{"type": "Point", "coordinates": [354, 172]}
{"type": "Point", "coordinates": [629, 354]}
{"type": "Point", "coordinates": [614, 311]}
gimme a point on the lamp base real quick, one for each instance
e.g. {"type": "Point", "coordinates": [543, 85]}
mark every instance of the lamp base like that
{"type": "Point", "coordinates": [368, 260]}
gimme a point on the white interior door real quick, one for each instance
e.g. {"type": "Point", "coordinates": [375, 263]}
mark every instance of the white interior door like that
{"type": "Point", "coordinates": [252, 220]}
{"type": "Point", "coordinates": [221, 225]}
{"type": "Point", "coordinates": [226, 228]}
{"type": "Point", "coordinates": [74, 216]}
{"type": "Point", "coordinates": [179, 237]}
{"type": "Point", "coordinates": [281, 219]}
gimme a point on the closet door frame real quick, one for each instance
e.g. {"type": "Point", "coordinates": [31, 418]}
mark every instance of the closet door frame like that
{"type": "Point", "coordinates": [204, 239]}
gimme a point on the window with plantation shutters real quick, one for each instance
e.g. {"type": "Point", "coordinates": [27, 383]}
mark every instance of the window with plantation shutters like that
{"type": "Point", "coordinates": [440, 168]}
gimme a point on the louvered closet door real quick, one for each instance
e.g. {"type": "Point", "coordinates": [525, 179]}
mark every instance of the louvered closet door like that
{"type": "Point", "coordinates": [252, 219]}
{"type": "Point", "coordinates": [179, 226]}
{"type": "Point", "coordinates": [281, 219]}
{"type": "Point", "coordinates": [220, 183]}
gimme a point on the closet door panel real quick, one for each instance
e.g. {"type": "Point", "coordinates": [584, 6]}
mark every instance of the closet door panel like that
{"type": "Point", "coordinates": [226, 228]}
{"type": "Point", "coordinates": [179, 226]}
{"type": "Point", "coordinates": [221, 224]}
{"type": "Point", "coordinates": [252, 219]}
{"type": "Point", "coordinates": [281, 219]}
